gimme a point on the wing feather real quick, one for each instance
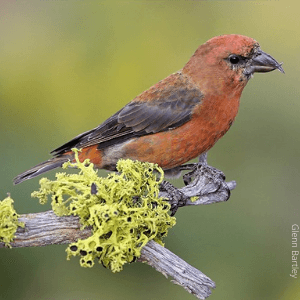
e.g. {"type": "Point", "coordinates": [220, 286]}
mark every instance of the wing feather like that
{"type": "Point", "coordinates": [163, 107]}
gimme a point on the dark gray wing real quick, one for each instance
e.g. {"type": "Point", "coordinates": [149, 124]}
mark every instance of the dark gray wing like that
{"type": "Point", "coordinates": [169, 108]}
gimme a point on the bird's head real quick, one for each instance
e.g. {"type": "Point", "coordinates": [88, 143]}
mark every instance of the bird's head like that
{"type": "Point", "coordinates": [229, 60]}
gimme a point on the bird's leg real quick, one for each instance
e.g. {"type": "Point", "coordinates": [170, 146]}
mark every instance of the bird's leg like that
{"type": "Point", "coordinates": [187, 178]}
{"type": "Point", "coordinates": [203, 181]}
{"type": "Point", "coordinates": [206, 179]}
{"type": "Point", "coordinates": [175, 197]}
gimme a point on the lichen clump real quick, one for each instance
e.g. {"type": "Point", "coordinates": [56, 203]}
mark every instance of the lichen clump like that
{"type": "Point", "coordinates": [8, 221]}
{"type": "Point", "coordinates": [123, 210]}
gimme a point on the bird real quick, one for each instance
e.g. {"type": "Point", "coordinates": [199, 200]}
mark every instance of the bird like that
{"type": "Point", "coordinates": [179, 118]}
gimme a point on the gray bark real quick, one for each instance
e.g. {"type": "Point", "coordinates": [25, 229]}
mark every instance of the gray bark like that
{"type": "Point", "coordinates": [209, 186]}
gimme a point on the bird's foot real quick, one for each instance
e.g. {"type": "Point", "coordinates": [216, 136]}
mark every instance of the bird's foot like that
{"type": "Point", "coordinates": [203, 185]}
{"type": "Point", "coordinates": [205, 177]}
{"type": "Point", "coordinates": [176, 197]}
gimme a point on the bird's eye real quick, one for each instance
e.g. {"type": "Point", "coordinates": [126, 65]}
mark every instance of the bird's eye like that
{"type": "Point", "coordinates": [234, 59]}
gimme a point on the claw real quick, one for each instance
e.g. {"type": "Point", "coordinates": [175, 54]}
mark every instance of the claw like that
{"type": "Point", "coordinates": [176, 198]}
{"type": "Point", "coordinates": [201, 180]}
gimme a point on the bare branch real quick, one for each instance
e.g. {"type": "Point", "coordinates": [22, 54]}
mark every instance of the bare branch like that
{"type": "Point", "coordinates": [185, 275]}
{"type": "Point", "coordinates": [46, 228]}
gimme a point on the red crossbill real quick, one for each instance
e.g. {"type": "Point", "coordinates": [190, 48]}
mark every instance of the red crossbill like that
{"type": "Point", "coordinates": [177, 119]}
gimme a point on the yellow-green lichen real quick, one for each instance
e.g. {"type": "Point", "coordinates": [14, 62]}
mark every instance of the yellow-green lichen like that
{"type": "Point", "coordinates": [123, 209]}
{"type": "Point", "coordinates": [8, 221]}
{"type": "Point", "coordinates": [194, 198]}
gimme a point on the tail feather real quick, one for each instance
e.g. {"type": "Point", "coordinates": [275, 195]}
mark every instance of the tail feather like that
{"type": "Point", "coordinates": [43, 167]}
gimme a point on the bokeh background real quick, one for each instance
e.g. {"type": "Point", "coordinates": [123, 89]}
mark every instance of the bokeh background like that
{"type": "Point", "coordinates": [66, 66]}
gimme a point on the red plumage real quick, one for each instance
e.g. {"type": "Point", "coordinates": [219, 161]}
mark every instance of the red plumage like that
{"type": "Point", "coordinates": [177, 119]}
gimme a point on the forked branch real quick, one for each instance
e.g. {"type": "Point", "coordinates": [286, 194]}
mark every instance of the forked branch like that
{"type": "Point", "coordinates": [208, 185]}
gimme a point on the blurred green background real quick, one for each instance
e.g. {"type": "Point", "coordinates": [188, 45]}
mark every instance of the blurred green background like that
{"type": "Point", "coordinates": [66, 66]}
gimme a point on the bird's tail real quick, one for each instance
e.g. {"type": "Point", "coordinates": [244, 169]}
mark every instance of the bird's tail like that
{"type": "Point", "coordinates": [43, 167]}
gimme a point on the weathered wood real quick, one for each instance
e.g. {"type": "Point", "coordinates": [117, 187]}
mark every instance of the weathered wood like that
{"type": "Point", "coordinates": [209, 186]}
{"type": "Point", "coordinates": [185, 275]}
{"type": "Point", "coordinates": [45, 228]}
